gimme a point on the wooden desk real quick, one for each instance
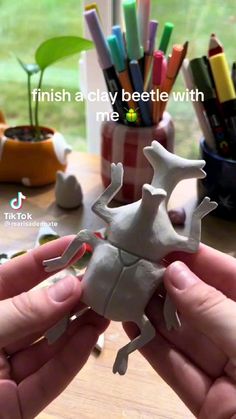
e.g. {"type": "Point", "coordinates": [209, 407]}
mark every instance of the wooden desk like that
{"type": "Point", "coordinates": [96, 393]}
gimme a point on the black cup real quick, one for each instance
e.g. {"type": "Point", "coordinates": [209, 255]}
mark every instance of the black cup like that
{"type": "Point", "coordinates": [220, 182]}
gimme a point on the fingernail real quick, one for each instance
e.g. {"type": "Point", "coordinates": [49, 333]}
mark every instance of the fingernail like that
{"type": "Point", "coordinates": [63, 289]}
{"type": "Point", "coordinates": [180, 276]}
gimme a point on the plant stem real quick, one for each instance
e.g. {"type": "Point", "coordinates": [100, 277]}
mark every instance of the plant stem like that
{"type": "Point", "coordinates": [30, 101]}
{"type": "Point", "coordinates": [36, 114]}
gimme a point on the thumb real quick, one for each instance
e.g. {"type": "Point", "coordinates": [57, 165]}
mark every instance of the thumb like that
{"type": "Point", "coordinates": [37, 310]}
{"type": "Point", "coordinates": [207, 309]}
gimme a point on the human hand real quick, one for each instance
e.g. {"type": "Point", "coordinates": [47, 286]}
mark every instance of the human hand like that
{"type": "Point", "coordinates": [32, 373]}
{"type": "Point", "coordinates": [199, 360]}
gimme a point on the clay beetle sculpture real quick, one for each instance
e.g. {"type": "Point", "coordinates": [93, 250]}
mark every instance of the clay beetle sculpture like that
{"type": "Point", "coordinates": [126, 269]}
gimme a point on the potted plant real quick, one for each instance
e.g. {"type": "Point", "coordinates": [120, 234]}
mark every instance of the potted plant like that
{"type": "Point", "coordinates": [32, 154]}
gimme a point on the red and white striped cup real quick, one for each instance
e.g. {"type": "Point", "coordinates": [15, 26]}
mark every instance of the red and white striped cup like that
{"type": "Point", "coordinates": [125, 144]}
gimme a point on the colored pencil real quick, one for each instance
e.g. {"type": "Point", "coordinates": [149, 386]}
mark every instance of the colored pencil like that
{"type": "Point", "coordinates": [215, 46]}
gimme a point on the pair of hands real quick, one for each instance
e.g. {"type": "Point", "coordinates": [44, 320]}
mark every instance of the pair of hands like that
{"type": "Point", "coordinates": [198, 361]}
{"type": "Point", "coordinates": [32, 373]}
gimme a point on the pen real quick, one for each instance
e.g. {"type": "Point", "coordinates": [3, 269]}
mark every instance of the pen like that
{"type": "Point", "coordinates": [165, 39]}
{"type": "Point", "coordinates": [198, 107]}
{"type": "Point", "coordinates": [105, 61]}
{"type": "Point", "coordinates": [226, 94]}
{"type": "Point", "coordinates": [203, 83]}
{"type": "Point", "coordinates": [134, 47]}
{"type": "Point", "coordinates": [153, 25]}
{"type": "Point", "coordinates": [120, 65]}
{"type": "Point", "coordinates": [138, 87]}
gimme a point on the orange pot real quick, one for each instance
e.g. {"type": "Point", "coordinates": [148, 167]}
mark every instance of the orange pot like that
{"type": "Point", "coordinates": [32, 163]}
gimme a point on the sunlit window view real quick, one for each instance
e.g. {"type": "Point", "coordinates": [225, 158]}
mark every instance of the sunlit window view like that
{"type": "Point", "coordinates": [25, 24]}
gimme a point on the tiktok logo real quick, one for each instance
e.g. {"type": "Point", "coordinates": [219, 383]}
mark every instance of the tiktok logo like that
{"type": "Point", "coordinates": [16, 203]}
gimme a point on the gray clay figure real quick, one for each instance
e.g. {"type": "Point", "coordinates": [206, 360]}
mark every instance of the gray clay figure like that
{"type": "Point", "coordinates": [68, 191]}
{"type": "Point", "coordinates": [126, 269]}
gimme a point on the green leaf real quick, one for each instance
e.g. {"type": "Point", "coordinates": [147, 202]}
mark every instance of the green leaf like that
{"type": "Point", "coordinates": [58, 48]}
{"type": "Point", "coordinates": [29, 68]}
{"type": "Point", "coordinates": [45, 238]}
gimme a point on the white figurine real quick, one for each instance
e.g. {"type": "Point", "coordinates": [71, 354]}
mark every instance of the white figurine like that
{"type": "Point", "coordinates": [126, 269]}
{"type": "Point", "coordinates": [68, 191]}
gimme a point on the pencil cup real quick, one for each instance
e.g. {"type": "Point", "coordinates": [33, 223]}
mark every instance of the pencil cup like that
{"type": "Point", "coordinates": [125, 144]}
{"type": "Point", "coordinates": [220, 182]}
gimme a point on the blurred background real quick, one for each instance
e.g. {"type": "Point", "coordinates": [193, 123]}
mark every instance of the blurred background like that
{"type": "Point", "coordinates": [26, 23]}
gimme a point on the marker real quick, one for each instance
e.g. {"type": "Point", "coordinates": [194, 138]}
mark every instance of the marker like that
{"type": "Point", "coordinates": [144, 7]}
{"type": "Point", "coordinates": [183, 55]}
{"type": "Point", "coordinates": [198, 107]}
{"type": "Point", "coordinates": [226, 94]}
{"type": "Point", "coordinates": [164, 70]}
{"type": "Point", "coordinates": [203, 83]}
{"type": "Point", "coordinates": [117, 57]}
{"type": "Point", "coordinates": [233, 74]}
{"type": "Point", "coordinates": [92, 6]}
{"type": "Point", "coordinates": [156, 79]}
{"type": "Point", "coordinates": [138, 87]}
{"type": "Point", "coordinates": [153, 25]}
{"type": "Point", "coordinates": [165, 39]}
{"type": "Point", "coordinates": [116, 30]}
{"type": "Point", "coordinates": [209, 71]}
{"type": "Point", "coordinates": [105, 61]}
{"type": "Point", "coordinates": [120, 65]}
{"type": "Point", "coordinates": [133, 42]}
{"type": "Point", "coordinates": [171, 73]}
{"type": "Point", "coordinates": [223, 82]}
{"type": "Point", "coordinates": [215, 46]}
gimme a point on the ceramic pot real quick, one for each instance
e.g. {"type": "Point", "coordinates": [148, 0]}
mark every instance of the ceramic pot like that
{"type": "Point", "coordinates": [120, 143]}
{"type": "Point", "coordinates": [3, 123]}
{"type": "Point", "coordinates": [32, 163]}
{"type": "Point", "coordinates": [219, 184]}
